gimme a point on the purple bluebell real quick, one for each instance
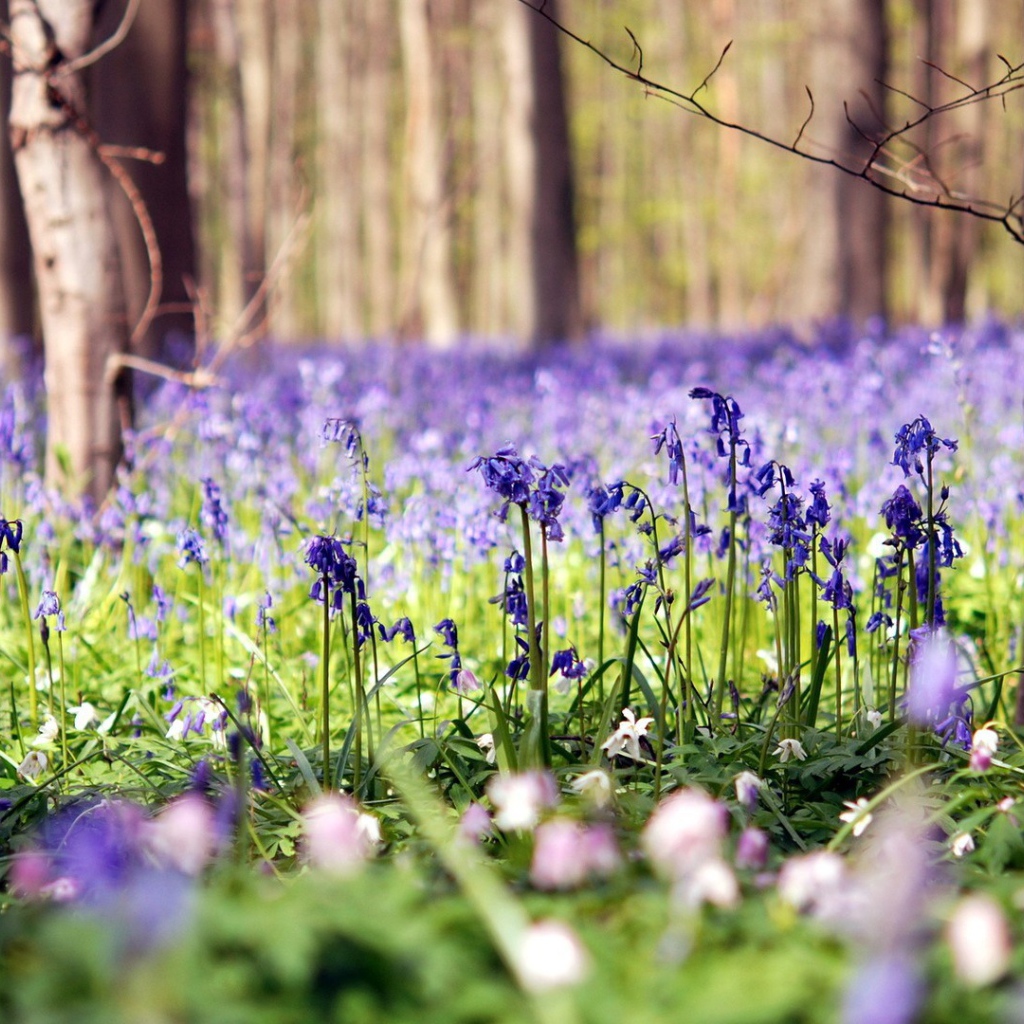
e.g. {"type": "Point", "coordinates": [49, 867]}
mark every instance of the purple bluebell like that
{"type": "Point", "coordinates": [213, 514]}
{"type": "Point", "coordinates": [568, 663]}
{"type": "Point", "coordinates": [190, 548]}
{"type": "Point", "coordinates": [915, 439]}
{"type": "Point", "coordinates": [49, 607]}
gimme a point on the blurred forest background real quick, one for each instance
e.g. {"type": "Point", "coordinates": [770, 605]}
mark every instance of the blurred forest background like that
{"type": "Point", "coordinates": [438, 169]}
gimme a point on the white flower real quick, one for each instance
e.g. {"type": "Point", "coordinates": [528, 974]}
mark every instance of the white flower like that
{"type": "Point", "coordinates": [177, 730]}
{"type": "Point", "coordinates": [813, 882]}
{"type": "Point", "coordinates": [984, 744]}
{"type": "Point", "coordinates": [874, 718]}
{"type": "Point", "coordinates": [85, 714]}
{"type": "Point", "coordinates": [595, 786]}
{"type": "Point", "coordinates": [48, 732]}
{"type": "Point", "coordinates": [486, 744]}
{"type": "Point", "coordinates": [979, 939]}
{"type": "Point", "coordinates": [34, 765]}
{"type": "Point", "coordinates": [858, 815]}
{"type": "Point", "coordinates": [962, 843]}
{"type": "Point", "coordinates": [519, 799]}
{"type": "Point", "coordinates": [550, 956]}
{"type": "Point", "coordinates": [790, 748]}
{"type": "Point", "coordinates": [626, 738]}
{"type": "Point", "coordinates": [748, 785]}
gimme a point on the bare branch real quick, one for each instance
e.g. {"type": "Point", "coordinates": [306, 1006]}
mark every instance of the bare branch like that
{"type": "Point", "coordinates": [946, 74]}
{"type": "Point", "coordinates": [637, 49]}
{"type": "Point", "coordinates": [718, 64]}
{"type": "Point", "coordinates": [807, 119]}
{"type": "Point", "coordinates": [874, 171]}
{"type": "Point", "coordinates": [111, 43]}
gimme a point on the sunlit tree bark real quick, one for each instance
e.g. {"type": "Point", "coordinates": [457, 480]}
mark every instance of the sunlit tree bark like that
{"type": "Point", "coordinates": [76, 262]}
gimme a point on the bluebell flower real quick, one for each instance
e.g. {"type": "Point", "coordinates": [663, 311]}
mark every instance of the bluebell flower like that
{"type": "Point", "coordinates": [329, 559]}
{"type": "Point", "coordinates": [915, 439]}
{"type": "Point", "coordinates": [902, 516]}
{"type": "Point", "coordinates": [213, 514]}
{"type": "Point", "coordinates": [669, 440]}
{"type": "Point", "coordinates": [450, 637]}
{"type": "Point", "coordinates": [725, 423]}
{"type": "Point", "coordinates": [400, 627]}
{"type": "Point", "coordinates": [568, 663]}
{"type": "Point", "coordinates": [190, 548]}
{"type": "Point", "coordinates": [602, 501]}
{"type": "Point", "coordinates": [49, 607]}
{"type": "Point", "coordinates": [264, 620]}
{"type": "Point", "coordinates": [819, 512]}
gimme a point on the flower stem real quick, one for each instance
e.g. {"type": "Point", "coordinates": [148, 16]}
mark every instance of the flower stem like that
{"type": "Point", "coordinates": [325, 686]}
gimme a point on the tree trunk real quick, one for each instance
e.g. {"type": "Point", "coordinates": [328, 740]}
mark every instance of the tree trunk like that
{"type": "Point", "coordinates": [539, 162]}
{"type": "Point", "coordinates": [75, 253]}
{"type": "Point", "coordinates": [153, 117]}
{"type": "Point", "coordinates": [240, 261]}
{"type": "Point", "coordinates": [428, 285]}
{"type": "Point", "coordinates": [846, 220]}
{"type": "Point", "coordinates": [16, 285]}
{"type": "Point", "coordinates": [339, 75]}
{"type": "Point", "coordinates": [283, 195]}
{"type": "Point", "coordinates": [378, 223]}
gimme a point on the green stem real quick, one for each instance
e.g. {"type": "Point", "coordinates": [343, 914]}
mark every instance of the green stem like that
{"type": "Point", "coordinates": [730, 584]}
{"type": "Point", "coordinates": [535, 738]}
{"type": "Point", "coordinates": [19, 571]}
{"type": "Point", "coordinates": [325, 686]}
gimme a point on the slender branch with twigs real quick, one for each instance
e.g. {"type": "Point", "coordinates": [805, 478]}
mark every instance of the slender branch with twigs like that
{"type": "Point", "coordinates": [911, 180]}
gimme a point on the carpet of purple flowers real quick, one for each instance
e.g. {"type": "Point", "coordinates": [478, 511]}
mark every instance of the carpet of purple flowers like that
{"type": "Point", "coordinates": [397, 685]}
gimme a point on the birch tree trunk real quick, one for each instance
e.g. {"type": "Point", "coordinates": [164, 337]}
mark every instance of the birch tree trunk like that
{"type": "Point", "coordinates": [75, 253]}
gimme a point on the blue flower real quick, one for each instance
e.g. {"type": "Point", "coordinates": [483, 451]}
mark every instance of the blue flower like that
{"type": "Point", "coordinates": [915, 439]}
{"type": "Point", "coordinates": [213, 513]}
{"type": "Point", "coordinates": [190, 548]}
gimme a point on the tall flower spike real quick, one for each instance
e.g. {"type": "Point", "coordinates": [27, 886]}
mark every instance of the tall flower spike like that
{"type": "Point", "coordinates": [915, 439]}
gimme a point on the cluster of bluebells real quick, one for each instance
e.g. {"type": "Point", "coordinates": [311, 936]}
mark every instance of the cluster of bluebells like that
{"type": "Point", "coordinates": [917, 439]}
{"type": "Point", "coordinates": [528, 483]}
{"type": "Point", "coordinates": [10, 537]}
{"type": "Point", "coordinates": [460, 679]}
{"type": "Point", "coordinates": [213, 513]}
{"type": "Point", "coordinates": [191, 548]}
{"type": "Point", "coordinates": [336, 571]}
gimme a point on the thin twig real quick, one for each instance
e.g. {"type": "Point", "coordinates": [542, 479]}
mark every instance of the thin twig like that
{"type": "Point", "coordinates": [111, 43]}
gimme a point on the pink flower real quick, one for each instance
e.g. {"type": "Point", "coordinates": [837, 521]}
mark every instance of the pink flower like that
{"type": "Point", "coordinates": [684, 831]}
{"type": "Point", "coordinates": [338, 837]}
{"type": "Point", "coordinates": [520, 799]}
{"type": "Point", "coordinates": [752, 849]}
{"type": "Point", "coordinates": [475, 822]}
{"type": "Point", "coordinates": [815, 883]}
{"type": "Point", "coordinates": [979, 939]}
{"type": "Point", "coordinates": [984, 745]}
{"type": "Point", "coordinates": [183, 835]}
{"type": "Point", "coordinates": [565, 853]}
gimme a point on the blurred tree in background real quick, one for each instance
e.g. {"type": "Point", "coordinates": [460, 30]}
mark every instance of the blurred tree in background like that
{"type": "Point", "coordinates": [466, 172]}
